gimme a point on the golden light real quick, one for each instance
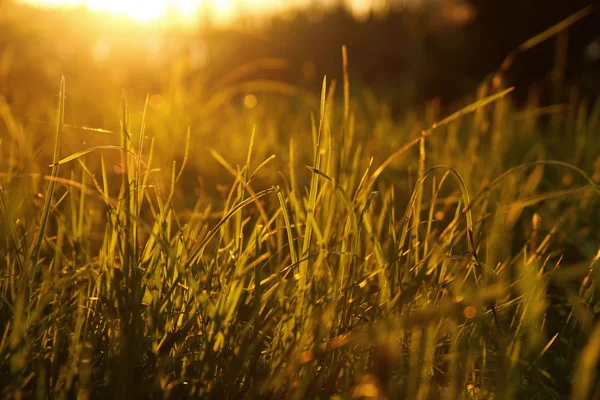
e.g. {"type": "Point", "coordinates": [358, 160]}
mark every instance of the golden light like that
{"type": "Point", "coordinates": [137, 10]}
{"type": "Point", "coordinates": [189, 10]}
{"type": "Point", "coordinates": [151, 10]}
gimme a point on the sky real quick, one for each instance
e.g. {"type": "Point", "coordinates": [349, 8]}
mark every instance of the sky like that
{"type": "Point", "coordinates": [153, 10]}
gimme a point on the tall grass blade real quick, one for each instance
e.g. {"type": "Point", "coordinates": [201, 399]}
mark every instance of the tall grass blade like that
{"type": "Point", "coordinates": [37, 245]}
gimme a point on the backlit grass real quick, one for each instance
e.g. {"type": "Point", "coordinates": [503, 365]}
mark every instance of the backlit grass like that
{"type": "Point", "coordinates": [424, 257]}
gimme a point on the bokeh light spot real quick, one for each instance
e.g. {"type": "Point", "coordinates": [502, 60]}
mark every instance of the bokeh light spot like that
{"type": "Point", "coordinates": [567, 179]}
{"type": "Point", "coordinates": [250, 101]}
{"type": "Point", "coordinates": [470, 312]}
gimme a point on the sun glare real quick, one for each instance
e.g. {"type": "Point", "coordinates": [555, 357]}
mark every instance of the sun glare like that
{"type": "Point", "coordinates": [152, 10]}
{"type": "Point", "coordinates": [139, 10]}
{"type": "Point", "coordinates": [189, 10]}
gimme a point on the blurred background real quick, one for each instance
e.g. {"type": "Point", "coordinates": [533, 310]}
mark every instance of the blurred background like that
{"type": "Point", "coordinates": [223, 67]}
{"type": "Point", "coordinates": [423, 49]}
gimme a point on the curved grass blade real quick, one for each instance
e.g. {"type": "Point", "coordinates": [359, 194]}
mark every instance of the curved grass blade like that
{"type": "Point", "coordinates": [82, 153]}
{"type": "Point", "coordinates": [539, 38]}
{"type": "Point", "coordinates": [480, 196]}
{"type": "Point", "coordinates": [451, 118]}
{"type": "Point", "coordinates": [216, 228]}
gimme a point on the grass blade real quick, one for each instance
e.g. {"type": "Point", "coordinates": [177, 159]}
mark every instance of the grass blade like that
{"type": "Point", "coordinates": [37, 245]}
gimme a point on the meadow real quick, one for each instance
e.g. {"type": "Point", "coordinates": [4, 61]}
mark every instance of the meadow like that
{"type": "Point", "coordinates": [266, 240]}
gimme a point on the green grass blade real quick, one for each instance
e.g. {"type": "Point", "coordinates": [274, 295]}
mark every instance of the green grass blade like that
{"type": "Point", "coordinates": [37, 245]}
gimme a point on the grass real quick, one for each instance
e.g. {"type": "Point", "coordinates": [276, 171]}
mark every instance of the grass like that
{"type": "Point", "coordinates": [428, 257]}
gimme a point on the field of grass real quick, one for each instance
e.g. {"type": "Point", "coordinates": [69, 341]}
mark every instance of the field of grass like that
{"type": "Point", "coordinates": [299, 245]}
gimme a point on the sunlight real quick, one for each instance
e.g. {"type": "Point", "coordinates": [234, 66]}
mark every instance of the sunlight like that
{"type": "Point", "coordinates": [139, 10]}
{"type": "Point", "coordinates": [189, 10]}
{"type": "Point", "coordinates": [147, 11]}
